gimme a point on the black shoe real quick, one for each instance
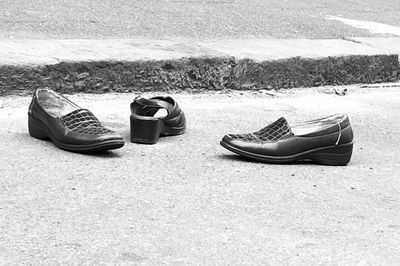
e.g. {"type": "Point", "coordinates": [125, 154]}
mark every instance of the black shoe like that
{"type": "Point", "coordinates": [52, 116]}
{"type": "Point", "coordinates": [146, 128]}
{"type": "Point", "coordinates": [326, 141]}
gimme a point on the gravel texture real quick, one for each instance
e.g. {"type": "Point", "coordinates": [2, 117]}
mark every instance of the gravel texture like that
{"type": "Point", "coordinates": [199, 74]}
{"type": "Point", "coordinates": [190, 18]}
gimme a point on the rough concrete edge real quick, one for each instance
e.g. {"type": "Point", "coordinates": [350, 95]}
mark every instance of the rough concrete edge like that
{"type": "Point", "coordinates": [199, 74]}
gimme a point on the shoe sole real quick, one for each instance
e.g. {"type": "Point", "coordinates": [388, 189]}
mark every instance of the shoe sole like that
{"type": "Point", "coordinates": [331, 155]}
{"type": "Point", "coordinates": [148, 130]}
{"type": "Point", "coordinates": [38, 130]}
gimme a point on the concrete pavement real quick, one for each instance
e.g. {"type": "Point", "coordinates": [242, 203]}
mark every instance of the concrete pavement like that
{"type": "Point", "coordinates": [197, 19]}
{"type": "Point", "coordinates": [146, 65]}
{"type": "Point", "coordinates": [186, 200]}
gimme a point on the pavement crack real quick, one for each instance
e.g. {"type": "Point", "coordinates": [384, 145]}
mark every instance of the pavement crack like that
{"type": "Point", "coordinates": [345, 38]}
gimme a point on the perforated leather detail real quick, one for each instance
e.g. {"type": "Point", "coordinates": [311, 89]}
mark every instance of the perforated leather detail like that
{"type": "Point", "coordinates": [273, 132]}
{"type": "Point", "coordinates": [83, 121]}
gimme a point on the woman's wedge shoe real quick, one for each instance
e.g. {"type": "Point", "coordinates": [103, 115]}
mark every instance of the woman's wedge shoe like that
{"type": "Point", "coordinates": [326, 141]}
{"type": "Point", "coordinates": [54, 117]}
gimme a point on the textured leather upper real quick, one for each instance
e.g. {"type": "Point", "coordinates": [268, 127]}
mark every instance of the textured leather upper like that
{"type": "Point", "coordinates": [278, 139]}
{"type": "Point", "coordinates": [83, 121]}
{"type": "Point", "coordinates": [275, 131]}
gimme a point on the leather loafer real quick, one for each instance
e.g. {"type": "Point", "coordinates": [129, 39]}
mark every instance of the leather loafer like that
{"type": "Point", "coordinates": [146, 123]}
{"type": "Point", "coordinates": [327, 141]}
{"type": "Point", "coordinates": [69, 127]}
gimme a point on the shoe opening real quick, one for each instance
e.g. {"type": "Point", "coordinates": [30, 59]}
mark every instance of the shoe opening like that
{"type": "Point", "coordinates": [312, 126]}
{"type": "Point", "coordinates": [54, 104]}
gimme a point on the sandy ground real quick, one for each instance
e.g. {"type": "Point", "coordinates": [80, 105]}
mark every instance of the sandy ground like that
{"type": "Point", "coordinates": [186, 200]}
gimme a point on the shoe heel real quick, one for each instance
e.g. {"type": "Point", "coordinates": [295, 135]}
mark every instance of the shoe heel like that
{"type": "Point", "coordinates": [145, 130]}
{"type": "Point", "coordinates": [338, 155]}
{"type": "Point", "coordinates": [36, 128]}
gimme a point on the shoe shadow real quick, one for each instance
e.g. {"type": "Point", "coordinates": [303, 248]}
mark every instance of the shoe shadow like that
{"type": "Point", "coordinates": [25, 139]}
{"type": "Point", "coordinates": [234, 157]}
{"type": "Point", "coordinates": [100, 154]}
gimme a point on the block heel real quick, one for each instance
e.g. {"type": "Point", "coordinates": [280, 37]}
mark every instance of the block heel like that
{"type": "Point", "coordinates": [147, 125]}
{"type": "Point", "coordinates": [37, 129]}
{"type": "Point", "coordinates": [145, 130]}
{"type": "Point", "coordinates": [337, 155]}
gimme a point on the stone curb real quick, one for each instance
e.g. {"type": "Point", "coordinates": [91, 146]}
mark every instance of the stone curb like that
{"type": "Point", "coordinates": [164, 66]}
